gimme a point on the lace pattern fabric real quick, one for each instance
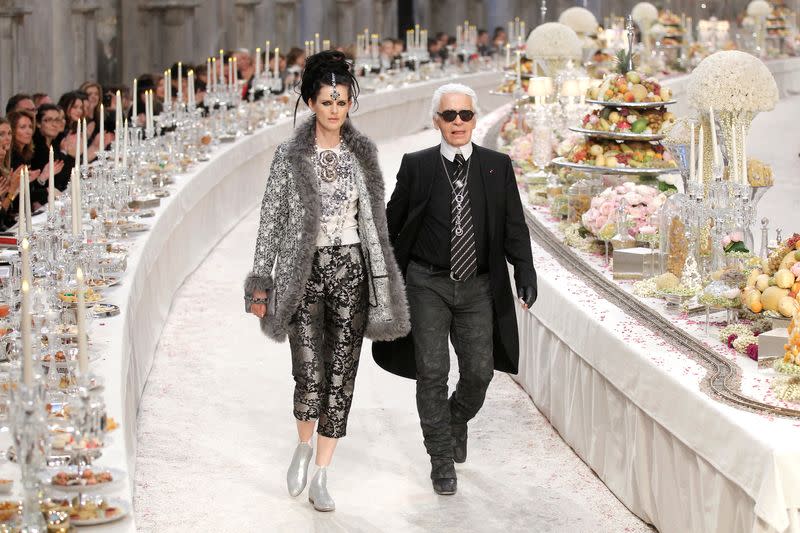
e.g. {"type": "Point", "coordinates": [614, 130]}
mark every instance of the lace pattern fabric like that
{"type": "Point", "coordinates": [338, 199]}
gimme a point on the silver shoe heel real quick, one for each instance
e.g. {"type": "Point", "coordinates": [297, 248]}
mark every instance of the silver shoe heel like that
{"type": "Point", "coordinates": [297, 475]}
{"type": "Point", "coordinates": [318, 492]}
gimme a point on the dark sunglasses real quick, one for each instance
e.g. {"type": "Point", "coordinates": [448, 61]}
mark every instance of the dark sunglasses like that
{"type": "Point", "coordinates": [451, 114]}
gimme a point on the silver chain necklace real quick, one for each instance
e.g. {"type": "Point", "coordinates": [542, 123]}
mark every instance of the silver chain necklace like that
{"type": "Point", "coordinates": [328, 161]}
{"type": "Point", "coordinates": [458, 191]}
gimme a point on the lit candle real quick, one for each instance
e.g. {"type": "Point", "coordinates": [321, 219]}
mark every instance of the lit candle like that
{"type": "Point", "coordinates": [316, 42]}
{"type": "Point", "coordinates": [83, 352]}
{"type": "Point", "coordinates": [125, 145]}
{"type": "Point", "coordinates": [745, 179]}
{"type": "Point", "coordinates": [221, 66]}
{"type": "Point", "coordinates": [713, 136]}
{"type": "Point", "coordinates": [701, 151]}
{"type": "Point", "coordinates": [135, 95]}
{"type": "Point", "coordinates": [73, 182]}
{"type": "Point", "coordinates": [21, 226]}
{"type": "Point", "coordinates": [691, 154]}
{"type": "Point", "coordinates": [258, 63]}
{"type": "Point", "coordinates": [277, 60]}
{"type": "Point", "coordinates": [416, 36]}
{"type": "Point", "coordinates": [51, 188]}
{"type": "Point", "coordinates": [102, 143]}
{"type": "Point", "coordinates": [167, 88]}
{"type": "Point", "coordinates": [78, 140]}
{"type": "Point", "coordinates": [85, 144]}
{"type": "Point", "coordinates": [510, 36]}
{"type": "Point", "coordinates": [25, 316]}
{"type": "Point", "coordinates": [180, 83]}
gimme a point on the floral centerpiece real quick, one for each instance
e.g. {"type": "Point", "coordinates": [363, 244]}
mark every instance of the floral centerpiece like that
{"type": "Point", "coordinates": [581, 20]}
{"type": "Point", "coordinates": [759, 8]}
{"type": "Point", "coordinates": [552, 44]}
{"type": "Point", "coordinates": [644, 14]}
{"type": "Point", "coordinates": [641, 203]}
{"type": "Point", "coordinates": [737, 86]}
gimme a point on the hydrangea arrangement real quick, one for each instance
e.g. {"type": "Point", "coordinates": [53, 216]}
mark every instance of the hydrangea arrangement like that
{"type": "Point", "coordinates": [580, 19]}
{"type": "Point", "coordinates": [759, 8]}
{"type": "Point", "coordinates": [642, 202]}
{"type": "Point", "coordinates": [553, 40]}
{"type": "Point", "coordinates": [644, 13]}
{"type": "Point", "coordinates": [731, 81]}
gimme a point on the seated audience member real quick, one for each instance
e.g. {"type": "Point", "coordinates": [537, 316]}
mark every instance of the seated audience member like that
{"type": "Point", "coordinates": [387, 55]}
{"type": "Point", "coordinates": [49, 126]}
{"type": "Point", "coordinates": [20, 102]}
{"type": "Point", "coordinates": [9, 181]}
{"type": "Point", "coordinates": [41, 98]}
{"type": "Point", "coordinates": [485, 47]}
{"type": "Point", "coordinates": [22, 127]}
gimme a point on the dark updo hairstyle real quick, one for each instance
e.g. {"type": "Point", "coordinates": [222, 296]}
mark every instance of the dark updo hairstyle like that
{"type": "Point", "coordinates": [320, 70]}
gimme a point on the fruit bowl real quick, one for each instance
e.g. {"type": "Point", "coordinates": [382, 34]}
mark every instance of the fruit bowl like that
{"type": "Point", "coordinates": [640, 105]}
{"type": "Point", "coordinates": [629, 171]}
{"type": "Point", "coordinates": [619, 135]}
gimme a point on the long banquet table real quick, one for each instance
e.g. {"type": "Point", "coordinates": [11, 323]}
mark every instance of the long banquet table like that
{"type": "Point", "coordinates": [632, 407]}
{"type": "Point", "coordinates": [204, 205]}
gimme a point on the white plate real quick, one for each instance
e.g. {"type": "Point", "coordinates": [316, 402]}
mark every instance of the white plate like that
{"type": "Point", "coordinates": [618, 135]}
{"type": "Point", "coordinates": [640, 105]}
{"type": "Point", "coordinates": [117, 475]}
{"type": "Point", "coordinates": [562, 162]}
{"type": "Point", "coordinates": [124, 510]}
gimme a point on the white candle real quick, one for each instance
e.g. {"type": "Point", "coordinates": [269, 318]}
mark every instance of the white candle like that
{"type": "Point", "coordinates": [25, 316]}
{"type": "Point", "coordinates": [316, 42]}
{"type": "Point", "coordinates": [209, 75]}
{"type": "Point", "coordinates": [78, 203]}
{"type": "Point", "coordinates": [691, 155]}
{"type": "Point", "coordinates": [277, 60]}
{"type": "Point", "coordinates": [167, 88]}
{"type": "Point", "coordinates": [522, 30]}
{"type": "Point", "coordinates": [135, 95]}
{"type": "Point", "coordinates": [180, 83]}
{"type": "Point", "coordinates": [701, 151]}
{"type": "Point", "coordinates": [258, 63]}
{"type": "Point", "coordinates": [417, 36]}
{"type": "Point", "coordinates": [51, 188]}
{"type": "Point", "coordinates": [78, 140]}
{"type": "Point", "coordinates": [508, 54]}
{"type": "Point", "coordinates": [268, 46]}
{"type": "Point", "coordinates": [102, 143]}
{"type": "Point", "coordinates": [221, 66]}
{"type": "Point", "coordinates": [191, 89]}
{"type": "Point", "coordinates": [83, 353]}
{"type": "Point", "coordinates": [745, 179]}
{"type": "Point", "coordinates": [28, 224]}
{"type": "Point", "coordinates": [733, 164]}
{"type": "Point", "coordinates": [713, 137]}
{"type": "Point", "coordinates": [73, 183]}
{"type": "Point", "coordinates": [85, 144]}
{"type": "Point", "coordinates": [326, 44]}
{"type": "Point", "coordinates": [21, 227]}
{"type": "Point", "coordinates": [125, 145]}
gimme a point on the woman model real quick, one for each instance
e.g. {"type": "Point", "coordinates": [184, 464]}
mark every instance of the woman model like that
{"type": "Point", "coordinates": [323, 229]}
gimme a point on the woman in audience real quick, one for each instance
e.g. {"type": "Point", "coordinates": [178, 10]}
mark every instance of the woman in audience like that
{"type": "Point", "coordinates": [49, 125]}
{"type": "Point", "coordinates": [94, 93]}
{"type": "Point", "coordinates": [22, 127]}
{"type": "Point", "coordinates": [9, 181]}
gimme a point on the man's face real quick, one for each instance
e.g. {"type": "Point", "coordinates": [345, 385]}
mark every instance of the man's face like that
{"type": "Point", "coordinates": [458, 132]}
{"type": "Point", "coordinates": [26, 105]}
{"type": "Point", "coordinates": [387, 48]}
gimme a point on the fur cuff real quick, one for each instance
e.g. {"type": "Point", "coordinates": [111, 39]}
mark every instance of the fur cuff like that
{"type": "Point", "coordinates": [255, 282]}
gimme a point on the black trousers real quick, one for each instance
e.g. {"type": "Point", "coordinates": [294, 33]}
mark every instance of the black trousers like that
{"type": "Point", "coordinates": [462, 310]}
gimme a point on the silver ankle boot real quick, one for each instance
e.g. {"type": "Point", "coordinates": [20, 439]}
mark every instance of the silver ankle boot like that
{"type": "Point", "coordinates": [318, 491]}
{"type": "Point", "coordinates": [297, 475]}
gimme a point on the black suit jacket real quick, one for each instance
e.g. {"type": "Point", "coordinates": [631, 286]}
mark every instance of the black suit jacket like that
{"type": "Point", "coordinates": [497, 214]}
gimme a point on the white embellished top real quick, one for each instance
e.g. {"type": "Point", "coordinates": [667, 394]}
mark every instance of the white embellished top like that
{"type": "Point", "coordinates": [338, 223]}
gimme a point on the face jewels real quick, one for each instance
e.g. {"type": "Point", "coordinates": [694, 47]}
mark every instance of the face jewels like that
{"type": "Point", "coordinates": [334, 94]}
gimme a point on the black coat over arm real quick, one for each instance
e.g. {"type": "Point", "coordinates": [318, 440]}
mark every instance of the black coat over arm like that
{"type": "Point", "coordinates": [497, 213]}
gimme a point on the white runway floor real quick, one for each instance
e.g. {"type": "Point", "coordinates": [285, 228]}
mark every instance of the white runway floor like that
{"type": "Point", "coordinates": [216, 434]}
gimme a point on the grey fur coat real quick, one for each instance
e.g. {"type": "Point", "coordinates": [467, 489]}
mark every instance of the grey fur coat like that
{"type": "Point", "coordinates": [290, 220]}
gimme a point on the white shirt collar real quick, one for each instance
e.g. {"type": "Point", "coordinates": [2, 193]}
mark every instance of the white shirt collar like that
{"type": "Point", "coordinates": [449, 151]}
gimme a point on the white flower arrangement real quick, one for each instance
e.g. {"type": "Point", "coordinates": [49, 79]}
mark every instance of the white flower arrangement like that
{"type": "Point", "coordinates": [759, 8]}
{"type": "Point", "coordinates": [580, 19]}
{"type": "Point", "coordinates": [644, 13]}
{"type": "Point", "coordinates": [732, 82]}
{"type": "Point", "coordinates": [553, 40]}
{"type": "Point", "coordinates": [671, 179]}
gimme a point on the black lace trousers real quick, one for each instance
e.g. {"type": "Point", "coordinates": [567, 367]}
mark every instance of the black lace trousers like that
{"type": "Point", "coordinates": [325, 336]}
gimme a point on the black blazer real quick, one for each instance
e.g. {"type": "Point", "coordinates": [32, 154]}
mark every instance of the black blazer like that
{"type": "Point", "coordinates": [497, 214]}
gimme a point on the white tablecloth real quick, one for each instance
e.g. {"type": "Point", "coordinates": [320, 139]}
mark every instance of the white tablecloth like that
{"type": "Point", "coordinates": [204, 205]}
{"type": "Point", "coordinates": [632, 408]}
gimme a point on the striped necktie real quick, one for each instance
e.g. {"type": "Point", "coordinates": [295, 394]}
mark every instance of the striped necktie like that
{"type": "Point", "coordinates": [463, 258]}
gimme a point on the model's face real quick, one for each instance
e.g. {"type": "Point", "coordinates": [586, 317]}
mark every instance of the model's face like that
{"type": "Point", "coordinates": [51, 124]}
{"type": "Point", "coordinates": [76, 110]}
{"type": "Point", "coordinates": [5, 139]}
{"type": "Point", "coordinates": [331, 109]}
{"type": "Point", "coordinates": [459, 132]}
{"type": "Point", "coordinates": [24, 132]}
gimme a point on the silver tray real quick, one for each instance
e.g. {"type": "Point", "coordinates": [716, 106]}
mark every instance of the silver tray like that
{"type": "Point", "coordinates": [562, 162]}
{"type": "Point", "coordinates": [618, 135]}
{"type": "Point", "coordinates": [640, 105]}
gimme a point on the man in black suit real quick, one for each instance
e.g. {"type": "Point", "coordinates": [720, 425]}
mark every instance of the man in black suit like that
{"type": "Point", "coordinates": [455, 218]}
